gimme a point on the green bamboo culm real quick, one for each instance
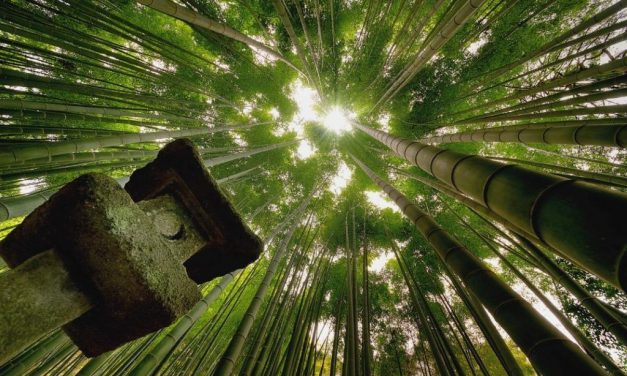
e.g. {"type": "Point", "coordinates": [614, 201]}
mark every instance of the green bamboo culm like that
{"type": "Point", "coordinates": [550, 352]}
{"type": "Point", "coordinates": [445, 30]}
{"type": "Point", "coordinates": [100, 86]}
{"type": "Point", "coordinates": [233, 351]}
{"type": "Point", "coordinates": [599, 135]}
{"type": "Point", "coordinates": [584, 222]}
{"type": "Point", "coordinates": [11, 207]}
{"type": "Point", "coordinates": [172, 9]}
{"type": "Point", "coordinates": [613, 323]}
{"type": "Point", "coordinates": [152, 360]}
{"type": "Point", "coordinates": [21, 153]}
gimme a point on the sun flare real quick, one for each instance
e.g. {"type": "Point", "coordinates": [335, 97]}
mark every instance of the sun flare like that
{"type": "Point", "coordinates": [337, 120]}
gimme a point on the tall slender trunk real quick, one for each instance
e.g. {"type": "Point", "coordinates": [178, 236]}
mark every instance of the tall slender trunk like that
{"type": "Point", "coordinates": [441, 363]}
{"type": "Point", "coordinates": [351, 345]}
{"type": "Point", "coordinates": [18, 153]}
{"type": "Point", "coordinates": [442, 34]}
{"type": "Point", "coordinates": [24, 105]}
{"type": "Point", "coordinates": [174, 10]}
{"type": "Point", "coordinates": [557, 42]}
{"type": "Point", "coordinates": [601, 135]}
{"type": "Point", "coordinates": [582, 221]}
{"type": "Point", "coordinates": [490, 332]}
{"type": "Point", "coordinates": [11, 207]}
{"type": "Point", "coordinates": [547, 349]}
{"type": "Point", "coordinates": [367, 353]}
{"type": "Point", "coordinates": [233, 352]}
{"type": "Point", "coordinates": [534, 256]}
{"type": "Point", "coordinates": [618, 66]}
{"type": "Point", "coordinates": [580, 337]}
{"type": "Point", "coordinates": [596, 177]}
{"type": "Point", "coordinates": [300, 51]}
{"type": "Point", "coordinates": [158, 354]}
{"type": "Point", "coordinates": [336, 335]}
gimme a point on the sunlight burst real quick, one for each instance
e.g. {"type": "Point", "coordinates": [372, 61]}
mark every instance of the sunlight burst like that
{"type": "Point", "coordinates": [337, 120]}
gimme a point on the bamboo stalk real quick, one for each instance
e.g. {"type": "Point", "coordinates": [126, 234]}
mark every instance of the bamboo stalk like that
{"type": "Point", "coordinates": [547, 349]}
{"type": "Point", "coordinates": [581, 220]}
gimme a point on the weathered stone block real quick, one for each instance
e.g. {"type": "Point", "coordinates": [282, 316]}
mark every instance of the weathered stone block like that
{"type": "Point", "coordinates": [137, 254]}
{"type": "Point", "coordinates": [114, 252]}
{"type": "Point", "coordinates": [179, 171]}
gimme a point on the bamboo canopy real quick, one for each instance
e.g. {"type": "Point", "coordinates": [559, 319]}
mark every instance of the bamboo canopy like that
{"type": "Point", "coordinates": [441, 186]}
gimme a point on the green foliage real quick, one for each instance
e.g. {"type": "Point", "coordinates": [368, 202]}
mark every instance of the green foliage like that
{"type": "Point", "coordinates": [118, 55]}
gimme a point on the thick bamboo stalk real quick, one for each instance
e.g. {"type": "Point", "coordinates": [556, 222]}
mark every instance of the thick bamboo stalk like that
{"type": "Point", "coordinates": [608, 319]}
{"type": "Point", "coordinates": [599, 110]}
{"type": "Point", "coordinates": [20, 153]}
{"type": "Point", "coordinates": [23, 105]}
{"type": "Point", "coordinates": [538, 259]}
{"type": "Point", "coordinates": [549, 124]}
{"type": "Point", "coordinates": [579, 336]}
{"type": "Point", "coordinates": [548, 350]}
{"type": "Point", "coordinates": [584, 222]}
{"type": "Point", "coordinates": [599, 135]}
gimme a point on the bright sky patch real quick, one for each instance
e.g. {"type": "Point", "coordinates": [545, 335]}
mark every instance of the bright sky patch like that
{"type": "Point", "coordinates": [306, 100]}
{"type": "Point", "coordinates": [341, 179]}
{"type": "Point", "coordinates": [305, 150]}
{"type": "Point", "coordinates": [380, 261]}
{"type": "Point", "coordinates": [337, 120]}
{"type": "Point", "coordinates": [380, 201]}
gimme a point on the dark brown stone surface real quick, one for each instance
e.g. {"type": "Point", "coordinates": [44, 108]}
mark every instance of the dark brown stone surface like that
{"type": "Point", "coordinates": [133, 251]}
{"type": "Point", "coordinates": [115, 254]}
{"type": "Point", "coordinates": [179, 171]}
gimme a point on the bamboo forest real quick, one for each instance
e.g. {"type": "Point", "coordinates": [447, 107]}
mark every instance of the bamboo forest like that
{"type": "Point", "coordinates": [313, 187]}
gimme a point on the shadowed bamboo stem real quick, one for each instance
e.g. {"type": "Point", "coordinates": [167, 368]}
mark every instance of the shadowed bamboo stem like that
{"type": "Point", "coordinates": [584, 222]}
{"type": "Point", "coordinates": [547, 349]}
